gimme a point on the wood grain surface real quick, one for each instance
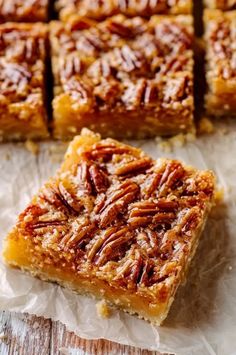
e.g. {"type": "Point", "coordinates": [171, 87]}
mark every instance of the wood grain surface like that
{"type": "Point", "coordinates": [22, 334]}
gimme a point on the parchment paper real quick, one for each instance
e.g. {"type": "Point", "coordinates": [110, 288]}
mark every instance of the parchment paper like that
{"type": "Point", "coordinates": [202, 320]}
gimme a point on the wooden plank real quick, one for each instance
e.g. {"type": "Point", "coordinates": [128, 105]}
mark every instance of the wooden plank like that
{"type": "Point", "coordinates": [67, 343]}
{"type": "Point", "coordinates": [22, 334]}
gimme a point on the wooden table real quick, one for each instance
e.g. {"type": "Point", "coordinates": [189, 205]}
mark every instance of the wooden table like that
{"type": "Point", "coordinates": [22, 334]}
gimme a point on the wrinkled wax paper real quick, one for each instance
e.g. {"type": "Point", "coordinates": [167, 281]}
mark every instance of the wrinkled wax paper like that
{"type": "Point", "coordinates": [202, 320]}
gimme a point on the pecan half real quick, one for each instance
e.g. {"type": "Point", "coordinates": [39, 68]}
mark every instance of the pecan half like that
{"type": "Point", "coordinates": [108, 243]}
{"type": "Point", "coordinates": [175, 89]}
{"type": "Point", "coordinates": [174, 37]}
{"type": "Point", "coordinates": [134, 167]}
{"type": "Point", "coordinates": [70, 65]}
{"type": "Point", "coordinates": [141, 93]}
{"type": "Point", "coordinates": [108, 92]}
{"type": "Point", "coordinates": [117, 201]}
{"type": "Point", "coordinates": [78, 233]}
{"type": "Point", "coordinates": [106, 151]}
{"type": "Point", "coordinates": [145, 212]}
{"type": "Point", "coordinates": [189, 220]}
{"type": "Point", "coordinates": [91, 179]}
{"type": "Point", "coordinates": [119, 29]}
{"type": "Point", "coordinates": [14, 78]}
{"type": "Point", "coordinates": [174, 171]}
{"type": "Point", "coordinates": [59, 198]}
{"type": "Point", "coordinates": [128, 60]}
{"type": "Point", "coordinates": [79, 90]}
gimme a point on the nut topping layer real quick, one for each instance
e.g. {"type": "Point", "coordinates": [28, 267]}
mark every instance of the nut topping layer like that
{"type": "Point", "coordinates": [221, 39]}
{"type": "Point", "coordinates": [117, 212]}
{"type": "Point", "coordinates": [22, 51]}
{"type": "Point", "coordinates": [100, 9]}
{"type": "Point", "coordinates": [221, 4]}
{"type": "Point", "coordinates": [124, 64]}
{"type": "Point", "coordinates": [23, 11]}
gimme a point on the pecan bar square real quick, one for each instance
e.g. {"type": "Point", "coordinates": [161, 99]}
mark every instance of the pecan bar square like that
{"type": "Point", "coordinates": [115, 224]}
{"type": "Point", "coordinates": [23, 10]}
{"type": "Point", "coordinates": [22, 81]}
{"type": "Point", "coordinates": [220, 38]}
{"type": "Point", "coordinates": [123, 77]}
{"type": "Point", "coordinates": [221, 4]}
{"type": "Point", "coordinates": [99, 10]}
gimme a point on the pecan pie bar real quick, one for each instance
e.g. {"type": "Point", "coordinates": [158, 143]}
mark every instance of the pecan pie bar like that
{"type": "Point", "coordinates": [123, 77]}
{"type": "Point", "coordinates": [221, 4]}
{"type": "Point", "coordinates": [98, 9]}
{"type": "Point", "coordinates": [220, 37]}
{"type": "Point", "coordinates": [23, 10]}
{"type": "Point", "coordinates": [22, 75]}
{"type": "Point", "coordinates": [115, 224]}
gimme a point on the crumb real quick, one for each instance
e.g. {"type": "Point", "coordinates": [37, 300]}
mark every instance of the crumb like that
{"type": "Point", "coordinates": [56, 151]}
{"type": "Point", "coordinates": [58, 148]}
{"type": "Point", "coordinates": [32, 147]}
{"type": "Point", "coordinates": [8, 156]}
{"type": "Point", "coordinates": [177, 141]}
{"type": "Point", "coordinates": [190, 137]}
{"type": "Point", "coordinates": [103, 310]}
{"type": "Point", "coordinates": [72, 129]}
{"type": "Point", "coordinates": [205, 126]}
{"type": "Point", "coordinates": [165, 146]}
{"type": "Point", "coordinates": [219, 196]}
{"type": "Point", "coordinates": [224, 130]}
{"type": "Point", "coordinates": [3, 336]}
{"type": "Point", "coordinates": [230, 268]}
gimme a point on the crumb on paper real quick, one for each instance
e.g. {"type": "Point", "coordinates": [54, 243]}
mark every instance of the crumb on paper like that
{"type": "Point", "coordinates": [103, 310]}
{"type": "Point", "coordinates": [219, 195]}
{"type": "Point", "coordinates": [3, 336]}
{"type": "Point", "coordinates": [205, 126]}
{"type": "Point", "coordinates": [164, 145]}
{"type": "Point", "coordinates": [8, 156]}
{"type": "Point", "coordinates": [57, 150]}
{"type": "Point", "coordinates": [224, 130]}
{"type": "Point", "coordinates": [178, 141]}
{"type": "Point", "coordinates": [59, 147]}
{"type": "Point", "coordinates": [32, 147]}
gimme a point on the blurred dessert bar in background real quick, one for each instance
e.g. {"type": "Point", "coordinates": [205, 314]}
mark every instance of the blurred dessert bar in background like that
{"type": "Point", "coordinates": [22, 81]}
{"type": "Point", "coordinates": [221, 4]}
{"type": "Point", "coordinates": [123, 77]}
{"type": "Point", "coordinates": [100, 9]}
{"type": "Point", "coordinates": [24, 11]}
{"type": "Point", "coordinates": [220, 40]}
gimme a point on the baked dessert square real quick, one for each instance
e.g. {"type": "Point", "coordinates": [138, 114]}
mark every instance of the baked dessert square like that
{"type": "Point", "coordinates": [124, 78]}
{"type": "Point", "coordinates": [224, 5]}
{"type": "Point", "coordinates": [220, 38]}
{"type": "Point", "coordinates": [100, 10]}
{"type": "Point", "coordinates": [24, 10]}
{"type": "Point", "coordinates": [22, 81]}
{"type": "Point", "coordinates": [115, 224]}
